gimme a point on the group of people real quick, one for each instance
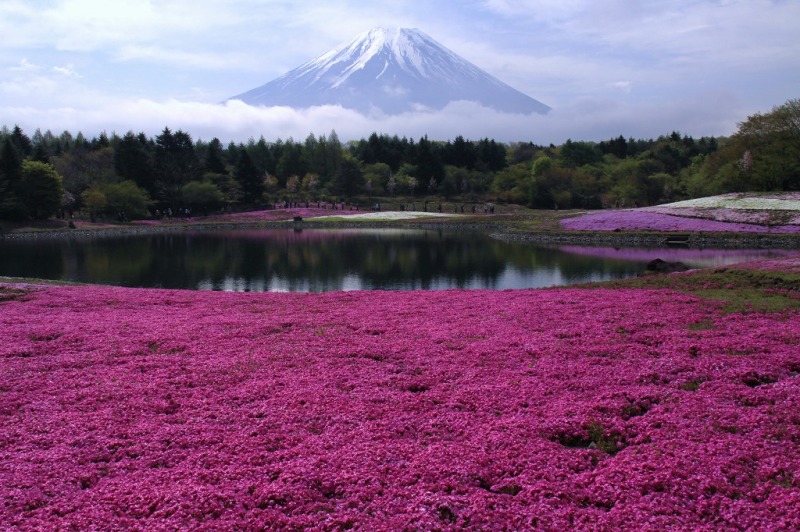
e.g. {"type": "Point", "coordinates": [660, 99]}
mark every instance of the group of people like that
{"type": "Point", "coordinates": [334, 206]}
{"type": "Point", "coordinates": [488, 208]}
{"type": "Point", "coordinates": [168, 213]}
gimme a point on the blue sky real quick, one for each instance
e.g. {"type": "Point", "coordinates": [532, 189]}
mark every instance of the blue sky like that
{"type": "Point", "coordinates": [606, 67]}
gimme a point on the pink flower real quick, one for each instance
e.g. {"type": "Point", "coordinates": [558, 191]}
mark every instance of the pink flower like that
{"type": "Point", "coordinates": [655, 219]}
{"type": "Point", "coordinates": [560, 408]}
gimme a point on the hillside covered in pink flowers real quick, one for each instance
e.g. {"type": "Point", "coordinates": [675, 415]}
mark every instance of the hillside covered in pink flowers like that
{"type": "Point", "coordinates": [641, 408]}
{"type": "Point", "coordinates": [777, 213]}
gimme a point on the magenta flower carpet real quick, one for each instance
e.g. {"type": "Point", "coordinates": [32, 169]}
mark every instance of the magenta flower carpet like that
{"type": "Point", "coordinates": [271, 215]}
{"type": "Point", "coordinates": [130, 409]}
{"type": "Point", "coordinates": [652, 220]}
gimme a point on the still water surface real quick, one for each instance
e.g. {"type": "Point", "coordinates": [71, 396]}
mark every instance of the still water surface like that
{"type": "Point", "coordinates": [321, 260]}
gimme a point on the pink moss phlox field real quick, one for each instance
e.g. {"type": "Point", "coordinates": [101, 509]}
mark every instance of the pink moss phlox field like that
{"type": "Point", "coordinates": [288, 214]}
{"type": "Point", "coordinates": [270, 215]}
{"type": "Point", "coordinates": [646, 219]}
{"type": "Point", "coordinates": [126, 409]}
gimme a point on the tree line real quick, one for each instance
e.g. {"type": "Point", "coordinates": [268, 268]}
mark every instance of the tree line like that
{"type": "Point", "coordinates": [133, 174]}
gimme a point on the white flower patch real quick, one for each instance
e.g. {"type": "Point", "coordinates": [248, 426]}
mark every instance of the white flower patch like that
{"type": "Point", "coordinates": [771, 202]}
{"type": "Point", "coordinates": [390, 215]}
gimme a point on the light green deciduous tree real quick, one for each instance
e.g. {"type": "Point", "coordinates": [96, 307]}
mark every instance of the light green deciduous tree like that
{"type": "Point", "coordinates": [42, 189]}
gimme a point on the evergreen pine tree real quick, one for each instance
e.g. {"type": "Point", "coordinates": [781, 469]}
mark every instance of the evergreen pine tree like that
{"type": "Point", "coordinates": [21, 142]}
{"type": "Point", "coordinates": [132, 162]}
{"type": "Point", "coordinates": [11, 205]}
{"type": "Point", "coordinates": [247, 176]}
{"type": "Point", "coordinates": [214, 162]}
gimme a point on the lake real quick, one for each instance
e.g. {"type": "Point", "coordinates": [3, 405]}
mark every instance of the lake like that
{"type": "Point", "coordinates": [318, 260]}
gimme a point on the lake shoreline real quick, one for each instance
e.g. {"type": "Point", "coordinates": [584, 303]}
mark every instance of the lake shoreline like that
{"type": "Point", "coordinates": [497, 228]}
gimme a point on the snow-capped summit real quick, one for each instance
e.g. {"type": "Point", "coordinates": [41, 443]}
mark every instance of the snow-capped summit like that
{"type": "Point", "coordinates": [390, 71]}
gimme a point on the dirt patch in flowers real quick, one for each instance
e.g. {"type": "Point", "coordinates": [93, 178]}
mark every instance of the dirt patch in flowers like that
{"type": "Point", "coordinates": [11, 293]}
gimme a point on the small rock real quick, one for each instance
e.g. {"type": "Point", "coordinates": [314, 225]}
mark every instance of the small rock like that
{"type": "Point", "coordinates": [662, 266]}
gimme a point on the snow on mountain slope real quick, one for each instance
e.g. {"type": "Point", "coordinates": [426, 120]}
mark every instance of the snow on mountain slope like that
{"type": "Point", "coordinates": [390, 71]}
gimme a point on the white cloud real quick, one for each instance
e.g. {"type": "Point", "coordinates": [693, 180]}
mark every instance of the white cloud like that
{"type": "Point", "coordinates": [536, 10]}
{"type": "Point", "coordinates": [607, 68]}
{"type": "Point", "coordinates": [67, 70]}
{"type": "Point", "coordinates": [87, 25]}
{"type": "Point", "coordinates": [717, 34]}
{"type": "Point", "coordinates": [624, 86]}
{"type": "Point", "coordinates": [234, 120]}
{"type": "Point", "coordinates": [205, 59]}
{"type": "Point", "coordinates": [38, 85]}
{"type": "Point", "coordinates": [395, 90]}
{"type": "Point", "coordinates": [25, 66]}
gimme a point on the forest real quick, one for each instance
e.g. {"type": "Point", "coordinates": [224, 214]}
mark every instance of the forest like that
{"type": "Point", "coordinates": [132, 175]}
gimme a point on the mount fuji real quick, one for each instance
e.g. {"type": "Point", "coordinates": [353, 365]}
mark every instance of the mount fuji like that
{"type": "Point", "coordinates": [390, 71]}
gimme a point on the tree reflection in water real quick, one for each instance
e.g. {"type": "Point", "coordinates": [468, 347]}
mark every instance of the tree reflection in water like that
{"type": "Point", "coordinates": [316, 260]}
